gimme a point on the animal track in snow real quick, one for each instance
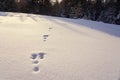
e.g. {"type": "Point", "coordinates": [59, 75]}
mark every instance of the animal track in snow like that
{"type": "Point", "coordinates": [41, 55]}
{"type": "Point", "coordinates": [45, 37]}
{"type": "Point", "coordinates": [36, 57]}
{"type": "Point", "coordinates": [35, 62]}
{"type": "Point", "coordinates": [33, 56]}
{"type": "Point", "coordinates": [36, 69]}
{"type": "Point", "coordinates": [50, 28]}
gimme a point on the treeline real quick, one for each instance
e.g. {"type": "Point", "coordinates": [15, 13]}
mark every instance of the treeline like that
{"type": "Point", "coordinates": [26, 6]}
{"type": "Point", "coordinates": [107, 11]}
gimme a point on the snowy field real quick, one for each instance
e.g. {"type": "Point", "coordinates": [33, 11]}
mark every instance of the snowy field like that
{"type": "Point", "coordinates": [35, 47]}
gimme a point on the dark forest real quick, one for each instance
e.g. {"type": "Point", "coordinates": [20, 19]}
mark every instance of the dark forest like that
{"type": "Point", "coordinates": [107, 11]}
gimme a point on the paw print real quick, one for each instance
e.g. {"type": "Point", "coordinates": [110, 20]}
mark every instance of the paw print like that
{"type": "Point", "coordinates": [33, 56]}
{"type": "Point", "coordinates": [45, 37]}
{"type": "Point", "coordinates": [41, 55]}
{"type": "Point", "coordinates": [36, 57]}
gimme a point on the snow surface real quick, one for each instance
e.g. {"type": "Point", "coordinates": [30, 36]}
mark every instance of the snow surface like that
{"type": "Point", "coordinates": [35, 47]}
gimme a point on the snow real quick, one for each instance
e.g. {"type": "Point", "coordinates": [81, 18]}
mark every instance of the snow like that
{"type": "Point", "coordinates": [36, 47]}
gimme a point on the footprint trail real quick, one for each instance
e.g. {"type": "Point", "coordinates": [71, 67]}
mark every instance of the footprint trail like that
{"type": "Point", "coordinates": [36, 60]}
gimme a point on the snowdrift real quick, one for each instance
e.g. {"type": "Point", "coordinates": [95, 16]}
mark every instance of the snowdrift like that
{"type": "Point", "coordinates": [35, 47]}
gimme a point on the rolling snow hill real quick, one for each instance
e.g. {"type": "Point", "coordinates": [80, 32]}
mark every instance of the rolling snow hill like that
{"type": "Point", "coordinates": [35, 47]}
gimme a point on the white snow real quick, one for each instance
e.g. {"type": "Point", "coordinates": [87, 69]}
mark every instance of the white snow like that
{"type": "Point", "coordinates": [35, 47]}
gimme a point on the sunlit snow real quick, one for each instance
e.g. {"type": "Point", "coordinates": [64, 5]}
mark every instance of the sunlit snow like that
{"type": "Point", "coordinates": [35, 47]}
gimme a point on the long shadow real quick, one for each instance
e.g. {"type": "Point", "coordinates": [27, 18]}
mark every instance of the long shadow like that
{"type": "Point", "coordinates": [21, 16]}
{"type": "Point", "coordinates": [33, 17]}
{"type": "Point", "coordinates": [110, 29]}
{"type": "Point", "coordinates": [63, 24]}
{"type": "Point", "coordinates": [3, 13]}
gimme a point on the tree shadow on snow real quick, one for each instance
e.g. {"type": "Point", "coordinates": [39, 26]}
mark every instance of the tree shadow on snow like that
{"type": "Point", "coordinates": [21, 16]}
{"type": "Point", "coordinates": [110, 29]}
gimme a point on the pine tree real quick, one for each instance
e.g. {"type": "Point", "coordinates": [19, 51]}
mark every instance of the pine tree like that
{"type": "Point", "coordinates": [47, 6]}
{"type": "Point", "coordinates": [56, 9]}
{"type": "Point", "coordinates": [98, 8]}
{"type": "Point", "coordinates": [22, 5]}
{"type": "Point", "coordinates": [117, 21]}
